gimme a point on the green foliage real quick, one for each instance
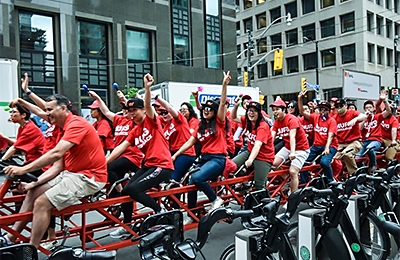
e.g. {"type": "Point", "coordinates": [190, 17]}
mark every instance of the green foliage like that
{"type": "Point", "coordinates": [130, 92]}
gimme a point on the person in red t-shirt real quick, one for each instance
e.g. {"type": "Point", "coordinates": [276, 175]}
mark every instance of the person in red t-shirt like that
{"type": "Point", "coordinates": [371, 129]}
{"type": "Point", "coordinates": [325, 131]}
{"type": "Point", "coordinates": [211, 133]}
{"type": "Point", "coordinates": [307, 125]}
{"type": "Point", "coordinates": [193, 120]}
{"type": "Point", "coordinates": [29, 139]}
{"type": "Point", "coordinates": [148, 136]}
{"type": "Point", "coordinates": [296, 146]}
{"type": "Point", "coordinates": [260, 149]}
{"type": "Point", "coordinates": [78, 170]}
{"type": "Point", "coordinates": [103, 126]}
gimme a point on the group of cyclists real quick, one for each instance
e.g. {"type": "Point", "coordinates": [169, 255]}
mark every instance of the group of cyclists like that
{"type": "Point", "coordinates": [158, 143]}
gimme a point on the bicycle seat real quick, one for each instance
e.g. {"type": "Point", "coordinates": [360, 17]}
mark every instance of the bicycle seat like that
{"type": "Point", "coordinates": [18, 252]}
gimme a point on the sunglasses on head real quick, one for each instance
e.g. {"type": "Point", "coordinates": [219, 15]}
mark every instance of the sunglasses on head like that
{"type": "Point", "coordinates": [163, 112]}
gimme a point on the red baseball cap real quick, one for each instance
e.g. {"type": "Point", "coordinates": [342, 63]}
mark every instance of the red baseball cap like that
{"type": "Point", "coordinates": [94, 105]}
{"type": "Point", "coordinates": [278, 103]}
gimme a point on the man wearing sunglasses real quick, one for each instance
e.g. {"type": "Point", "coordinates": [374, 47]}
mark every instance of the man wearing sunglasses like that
{"type": "Point", "coordinates": [348, 134]}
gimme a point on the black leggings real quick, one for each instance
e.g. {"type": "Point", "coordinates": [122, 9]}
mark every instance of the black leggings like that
{"type": "Point", "coordinates": [117, 170]}
{"type": "Point", "coordinates": [143, 180]}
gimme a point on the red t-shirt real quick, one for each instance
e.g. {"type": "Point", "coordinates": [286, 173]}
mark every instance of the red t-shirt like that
{"type": "Point", "coordinates": [230, 143]}
{"type": "Point", "coordinates": [105, 133]}
{"type": "Point", "coordinates": [177, 133]}
{"type": "Point", "coordinates": [283, 127]}
{"type": "Point", "coordinates": [263, 134]}
{"type": "Point", "coordinates": [372, 128]}
{"type": "Point", "coordinates": [322, 129]}
{"type": "Point", "coordinates": [347, 134]}
{"type": "Point", "coordinates": [30, 140]}
{"type": "Point", "coordinates": [193, 123]}
{"type": "Point", "coordinates": [398, 129]}
{"type": "Point", "coordinates": [386, 127]}
{"type": "Point", "coordinates": [51, 137]}
{"type": "Point", "coordinates": [122, 127]}
{"type": "Point", "coordinates": [212, 142]}
{"type": "Point", "coordinates": [308, 127]}
{"type": "Point", "coordinates": [3, 143]}
{"type": "Point", "coordinates": [149, 138]}
{"type": "Point", "coordinates": [87, 155]}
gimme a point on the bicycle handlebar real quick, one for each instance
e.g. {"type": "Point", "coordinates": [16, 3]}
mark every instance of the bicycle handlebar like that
{"type": "Point", "coordinates": [156, 235]}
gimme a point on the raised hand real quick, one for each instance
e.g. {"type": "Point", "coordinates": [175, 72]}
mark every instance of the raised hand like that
{"type": "Point", "coordinates": [302, 93]}
{"type": "Point", "coordinates": [148, 81]}
{"type": "Point", "coordinates": [227, 78]}
{"type": "Point", "coordinates": [25, 82]}
{"type": "Point", "coordinates": [383, 94]}
{"type": "Point", "coordinates": [93, 94]}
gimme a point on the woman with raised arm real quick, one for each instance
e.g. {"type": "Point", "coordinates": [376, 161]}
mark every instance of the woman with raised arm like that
{"type": "Point", "coordinates": [211, 134]}
{"type": "Point", "coordinates": [148, 136]}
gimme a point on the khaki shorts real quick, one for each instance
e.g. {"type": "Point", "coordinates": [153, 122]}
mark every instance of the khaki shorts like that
{"type": "Point", "coordinates": [298, 162]}
{"type": "Point", "coordinates": [68, 188]}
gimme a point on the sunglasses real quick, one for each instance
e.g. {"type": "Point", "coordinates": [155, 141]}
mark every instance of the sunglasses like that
{"type": "Point", "coordinates": [208, 109]}
{"type": "Point", "coordinates": [163, 112]}
{"type": "Point", "coordinates": [183, 110]}
{"type": "Point", "coordinates": [290, 106]}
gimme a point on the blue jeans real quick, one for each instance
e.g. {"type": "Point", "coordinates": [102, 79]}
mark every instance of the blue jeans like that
{"type": "Point", "coordinates": [372, 146]}
{"type": "Point", "coordinates": [325, 160]}
{"type": "Point", "coordinates": [182, 164]}
{"type": "Point", "coordinates": [211, 166]}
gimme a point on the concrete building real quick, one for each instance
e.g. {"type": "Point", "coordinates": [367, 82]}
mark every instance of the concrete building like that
{"type": "Point", "coordinates": [325, 37]}
{"type": "Point", "coordinates": [63, 44]}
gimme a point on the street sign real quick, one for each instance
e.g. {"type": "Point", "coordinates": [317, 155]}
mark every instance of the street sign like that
{"type": "Point", "coordinates": [395, 91]}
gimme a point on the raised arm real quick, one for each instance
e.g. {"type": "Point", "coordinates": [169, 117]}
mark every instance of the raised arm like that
{"type": "Point", "coordinates": [31, 107]}
{"type": "Point", "coordinates": [173, 111]}
{"type": "Point", "coordinates": [148, 82]}
{"type": "Point", "coordinates": [221, 109]}
{"type": "Point", "coordinates": [234, 115]}
{"type": "Point", "coordinates": [35, 98]}
{"type": "Point", "coordinates": [103, 107]}
{"type": "Point", "coordinates": [196, 99]}
{"type": "Point", "coordinates": [300, 104]}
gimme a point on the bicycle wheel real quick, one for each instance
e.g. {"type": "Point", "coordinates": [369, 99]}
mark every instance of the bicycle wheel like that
{"type": "Point", "coordinates": [375, 241]}
{"type": "Point", "coordinates": [228, 253]}
{"type": "Point", "coordinates": [292, 233]}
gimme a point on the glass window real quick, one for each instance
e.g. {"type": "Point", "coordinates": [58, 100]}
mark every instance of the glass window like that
{"type": "Point", "coordinates": [328, 27]}
{"type": "Point", "coordinates": [389, 57]}
{"type": "Point", "coordinates": [291, 37]}
{"type": "Point", "coordinates": [378, 2]}
{"type": "Point", "coordinates": [213, 34]}
{"type": "Point", "coordinates": [292, 64]}
{"type": "Point", "coordinates": [291, 8]}
{"type": "Point", "coordinates": [37, 56]}
{"type": "Point", "coordinates": [308, 6]}
{"type": "Point", "coordinates": [326, 3]}
{"type": "Point", "coordinates": [247, 3]}
{"type": "Point", "coordinates": [379, 54]}
{"type": "Point", "coordinates": [262, 45]}
{"type": "Point", "coordinates": [238, 50]}
{"type": "Point", "coordinates": [139, 56]}
{"type": "Point", "coordinates": [347, 22]}
{"type": "Point", "coordinates": [92, 39]}
{"type": "Point", "coordinates": [248, 24]}
{"type": "Point", "coordinates": [275, 14]}
{"type": "Point", "coordinates": [262, 70]}
{"type": "Point", "coordinates": [328, 57]}
{"type": "Point", "coordinates": [379, 24]}
{"type": "Point", "coordinates": [388, 4]}
{"type": "Point", "coordinates": [370, 21]}
{"type": "Point", "coordinates": [260, 1]}
{"type": "Point", "coordinates": [276, 41]}
{"type": "Point", "coordinates": [389, 28]}
{"type": "Point", "coordinates": [309, 32]}
{"type": "Point", "coordinates": [261, 21]}
{"type": "Point", "coordinates": [310, 61]}
{"type": "Point", "coordinates": [181, 32]}
{"type": "Point", "coordinates": [348, 53]}
{"type": "Point", "coordinates": [237, 28]}
{"type": "Point", "coordinates": [371, 52]}
{"type": "Point", "coordinates": [275, 72]}
{"type": "Point", "coordinates": [396, 6]}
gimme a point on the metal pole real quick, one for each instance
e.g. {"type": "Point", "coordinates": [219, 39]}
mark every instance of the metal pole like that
{"type": "Point", "coordinates": [316, 62]}
{"type": "Point", "coordinates": [396, 40]}
{"type": "Point", "coordinates": [249, 52]}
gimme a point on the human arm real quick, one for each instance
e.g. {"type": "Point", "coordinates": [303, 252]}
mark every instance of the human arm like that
{"type": "Point", "coordinates": [196, 99]}
{"type": "Point", "coordinates": [148, 82]}
{"type": "Point", "coordinates": [360, 118]}
{"type": "Point", "coordinates": [118, 151]}
{"type": "Point", "coordinates": [222, 109]}
{"type": "Point", "coordinates": [48, 158]}
{"type": "Point", "coordinates": [234, 115]}
{"type": "Point", "coordinates": [292, 138]}
{"type": "Point", "coordinates": [103, 107]}
{"type": "Point", "coordinates": [9, 153]}
{"type": "Point", "coordinates": [273, 134]}
{"type": "Point", "coordinates": [54, 170]}
{"type": "Point", "coordinates": [254, 153]}
{"type": "Point", "coordinates": [168, 107]}
{"type": "Point", "coordinates": [35, 98]}
{"type": "Point", "coordinates": [189, 143]}
{"type": "Point", "coordinates": [300, 104]}
{"type": "Point", "coordinates": [328, 143]}
{"type": "Point", "coordinates": [31, 107]}
{"type": "Point", "coordinates": [121, 96]}
{"type": "Point", "coordinates": [8, 140]}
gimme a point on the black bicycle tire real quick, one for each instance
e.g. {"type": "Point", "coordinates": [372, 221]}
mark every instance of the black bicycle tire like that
{"type": "Point", "coordinates": [385, 251]}
{"type": "Point", "coordinates": [228, 252]}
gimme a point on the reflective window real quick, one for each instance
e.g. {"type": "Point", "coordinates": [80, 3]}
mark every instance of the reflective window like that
{"type": "Point", "coordinates": [261, 21]}
{"type": "Point", "coordinates": [308, 6]}
{"type": "Point", "coordinates": [379, 24]}
{"type": "Point", "coordinates": [291, 8]}
{"type": "Point", "coordinates": [37, 57]}
{"type": "Point", "coordinates": [291, 37]}
{"type": "Point", "coordinates": [389, 28]}
{"type": "Point", "coordinates": [370, 21]}
{"type": "Point", "coordinates": [213, 34]}
{"type": "Point", "coordinates": [389, 57]}
{"type": "Point", "coordinates": [262, 45]}
{"type": "Point", "coordinates": [139, 56]}
{"type": "Point", "coordinates": [379, 54]}
{"type": "Point", "coordinates": [308, 32]}
{"type": "Point", "coordinates": [310, 61]}
{"type": "Point", "coordinates": [246, 3]}
{"type": "Point", "coordinates": [248, 24]}
{"type": "Point", "coordinates": [326, 3]}
{"type": "Point", "coordinates": [276, 41]}
{"type": "Point", "coordinates": [181, 33]}
{"type": "Point", "coordinates": [262, 70]}
{"type": "Point", "coordinates": [328, 27]}
{"type": "Point", "coordinates": [371, 52]}
{"type": "Point", "coordinates": [292, 64]}
{"type": "Point", "coordinates": [347, 22]}
{"type": "Point", "coordinates": [348, 53]}
{"type": "Point", "coordinates": [275, 14]}
{"type": "Point", "coordinates": [328, 57]}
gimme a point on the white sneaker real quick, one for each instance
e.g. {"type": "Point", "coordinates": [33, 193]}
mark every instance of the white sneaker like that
{"type": "Point", "coordinates": [216, 203]}
{"type": "Point", "coordinates": [50, 245]}
{"type": "Point", "coordinates": [187, 220]}
{"type": "Point", "coordinates": [120, 233]}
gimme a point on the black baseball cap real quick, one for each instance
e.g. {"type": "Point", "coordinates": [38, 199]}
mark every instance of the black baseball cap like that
{"type": "Point", "coordinates": [135, 103]}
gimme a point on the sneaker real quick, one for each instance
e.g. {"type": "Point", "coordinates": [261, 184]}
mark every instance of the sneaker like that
{"type": "Point", "coordinates": [216, 203]}
{"type": "Point", "coordinates": [120, 233]}
{"type": "Point", "coordinates": [187, 220]}
{"type": "Point", "coordinates": [50, 245]}
{"type": "Point", "coordinates": [5, 241]}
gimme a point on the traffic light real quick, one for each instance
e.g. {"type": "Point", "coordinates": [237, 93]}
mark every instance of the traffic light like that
{"type": "Point", "coordinates": [278, 60]}
{"type": "Point", "coordinates": [303, 83]}
{"type": "Point", "coordinates": [245, 78]}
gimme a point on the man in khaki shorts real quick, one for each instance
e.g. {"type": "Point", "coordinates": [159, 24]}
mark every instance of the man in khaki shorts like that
{"type": "Point", "coordinates": [78, 170]}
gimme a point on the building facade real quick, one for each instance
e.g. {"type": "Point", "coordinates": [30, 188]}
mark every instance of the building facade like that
{"type": "Point", "coordinates": [325, 37]}
{"type": "Point", "coordinates": [65, 43]}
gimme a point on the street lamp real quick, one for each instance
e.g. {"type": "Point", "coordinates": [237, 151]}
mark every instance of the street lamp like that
{"type": "Point", "coordinates": [250, 44]}
{"type": "Point", "coordinates": [306, 39]}
{"type": "Point", "coordinates": [396, 41]}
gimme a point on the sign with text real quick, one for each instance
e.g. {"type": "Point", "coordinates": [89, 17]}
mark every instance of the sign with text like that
{"type": "Point", "coordinates": [360, 85]}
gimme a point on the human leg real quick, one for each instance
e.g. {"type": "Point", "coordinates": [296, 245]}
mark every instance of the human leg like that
{"type": "Point", "coordinates": [240, 159]}
{"type": "Point", "coordinates": [295, 166]}
{"type": "Point", "coordinates": [182, 164]}
{"type": "Point", "coordinates": [261, 170]}
{"type": "Point", "coordinates": [117, 170]}
{"type": "Point", "coordinates": [326, 163]}
{"type": "Point", "coordinates": [349, 153]}
{"type": "Point", "coordinates": [41, 219]}
{"type": "Point", "coordinates": [373, 146]}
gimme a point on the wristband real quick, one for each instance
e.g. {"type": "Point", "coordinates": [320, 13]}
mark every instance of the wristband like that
{"type": "Point", "coordinates": [29, 92]}
{"type": "Point", "coordinates": [156, 97]}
